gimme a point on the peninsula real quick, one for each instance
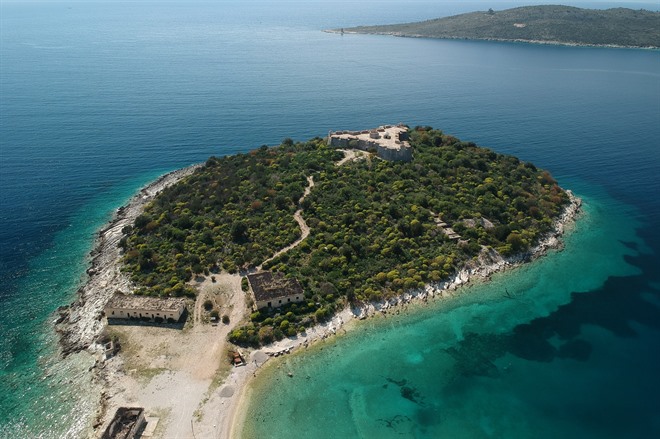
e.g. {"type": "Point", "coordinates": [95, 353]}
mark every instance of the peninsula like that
{"type": "Point", "coordinates": [279, 247]}
{"type": "Point", "coordinates": [418, 209]}
{"type": "Point", "coordinates": [548, 24]}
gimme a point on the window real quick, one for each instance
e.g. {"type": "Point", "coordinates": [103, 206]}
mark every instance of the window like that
{"type": "Point", "coordinates": [280, 301]}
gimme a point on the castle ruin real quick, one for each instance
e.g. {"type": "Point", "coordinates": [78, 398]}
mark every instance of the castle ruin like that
{"type": "Point", "coordinates": [389, 142]}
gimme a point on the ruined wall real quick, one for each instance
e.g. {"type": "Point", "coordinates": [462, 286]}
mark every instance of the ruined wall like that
{"type": "Point", "coordinates": [402, 154]}
{"type": "Point", "coordinates": [390, 154]}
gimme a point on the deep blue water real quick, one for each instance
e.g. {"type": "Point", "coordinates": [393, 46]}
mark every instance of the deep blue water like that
{"type": "Point", "coordinates": [98, 99]}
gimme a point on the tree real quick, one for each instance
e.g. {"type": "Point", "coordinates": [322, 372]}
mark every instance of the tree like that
{"type": "Point", "coordinates": [239, 232]}
{"type": "Point", "coordinates": [515, 240]}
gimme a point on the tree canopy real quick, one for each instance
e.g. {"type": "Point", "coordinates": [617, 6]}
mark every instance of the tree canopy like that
{"type": "Point", "coordinates": [376, 227]}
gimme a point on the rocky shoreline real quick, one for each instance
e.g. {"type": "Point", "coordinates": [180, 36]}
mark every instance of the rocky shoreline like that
{"type": "Point", "coordinates": [80, 323]}
{"type": "Point", "coordinates": [488, 263]}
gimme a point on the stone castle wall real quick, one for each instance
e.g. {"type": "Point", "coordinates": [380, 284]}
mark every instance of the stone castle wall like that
{"type": "Point", "coordinates": [404, 153]}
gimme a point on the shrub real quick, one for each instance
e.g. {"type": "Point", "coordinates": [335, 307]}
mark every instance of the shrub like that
{"type": "Point", "coordinates": [266, 335]}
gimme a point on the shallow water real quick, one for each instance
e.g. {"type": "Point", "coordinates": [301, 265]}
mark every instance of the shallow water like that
{"type": "Point", "coordinates": [486, 365]}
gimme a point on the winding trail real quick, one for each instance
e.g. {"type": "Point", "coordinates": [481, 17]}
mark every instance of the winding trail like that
{"type": "Point", "coordinates": [349, 154]}
{"type": "Point", "coordinates": [304, 228]}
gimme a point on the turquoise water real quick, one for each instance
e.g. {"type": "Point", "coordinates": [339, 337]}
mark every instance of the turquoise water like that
{"type": "Point", "coordinates": [49, 391]}
{"type": "Point", "coordinates": [482, 364]}
{"type": "Point", "coordinates": [97, 99]}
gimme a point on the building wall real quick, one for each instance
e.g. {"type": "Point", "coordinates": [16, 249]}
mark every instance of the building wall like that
{"type": "Point", "coordinates": [390, 154]}
{"type": "Point", "coordinates": [116, 428]}
{"type": "Point", "coordinates": [403, 154]}
{"type": "Point", "coordinates": [122, 313]}
{"type": "Point", "coordinates": [276, 303]}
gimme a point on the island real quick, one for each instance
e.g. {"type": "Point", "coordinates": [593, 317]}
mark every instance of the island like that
{"type": "Point", "coordinates": [544, 24]}
{"type": "Point", "coordinates": [215, 269]}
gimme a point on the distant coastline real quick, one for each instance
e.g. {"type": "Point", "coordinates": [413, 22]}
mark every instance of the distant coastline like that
{"type": "Point", "coordinates": [554, 25]}
{"type": "Point", "coordinates": [497, 40]}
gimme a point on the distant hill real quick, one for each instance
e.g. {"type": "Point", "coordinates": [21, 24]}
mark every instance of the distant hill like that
{"type": "Point", "coordinates": [539, 24]}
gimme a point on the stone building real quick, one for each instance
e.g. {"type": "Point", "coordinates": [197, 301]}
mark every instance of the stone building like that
{"type": "Point", "coordinates": [156, 309]}
{"type": "Point", "coordinates": [272, 290]}
{"type": "Point", "coordinates": [389, 142]}
{"type": "Point", "coordinates": [128, 423]}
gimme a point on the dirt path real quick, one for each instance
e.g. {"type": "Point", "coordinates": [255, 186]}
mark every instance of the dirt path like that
{"type": "Point", "coordinates": [304, 228]}
{"type": "Point", "coordinates": [350, 154]}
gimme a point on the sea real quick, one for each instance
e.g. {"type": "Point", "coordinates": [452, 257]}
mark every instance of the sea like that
{"type": "Point", "coordinates": [97, 99]}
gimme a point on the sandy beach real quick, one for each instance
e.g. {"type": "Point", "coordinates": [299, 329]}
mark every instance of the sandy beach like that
{"type": "Point", "coordinates": [182, 377]}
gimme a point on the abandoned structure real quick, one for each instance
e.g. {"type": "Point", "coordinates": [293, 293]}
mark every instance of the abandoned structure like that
{"type": "Point", "coordinates": [389, 142]}
{"type": "Point", "coordinates": [274, 290]}
{"type": "Point", "coordinates": [155, 309]}
{"type": "Point", "coordinates": [128, 423]}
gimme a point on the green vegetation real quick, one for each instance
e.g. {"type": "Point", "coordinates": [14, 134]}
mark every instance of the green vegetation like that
{"type": "Point", "coordinates": [373, 224]}
{"type": "Point", "coordinates": [235, 211]}
{"type": "Point", "coordinates": [561, 24]}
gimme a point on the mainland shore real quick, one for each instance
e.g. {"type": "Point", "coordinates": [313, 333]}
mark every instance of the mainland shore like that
{"type": "Point", "coordinates": [497, 40]}
{"type": "Point", "coordinates": [182, 376]}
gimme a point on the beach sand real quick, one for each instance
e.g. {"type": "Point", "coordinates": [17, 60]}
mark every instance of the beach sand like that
{"type": "Point", "coordinates": [183, 377]}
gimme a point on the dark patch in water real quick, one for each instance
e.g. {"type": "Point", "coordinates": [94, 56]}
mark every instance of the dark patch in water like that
{"type": "Point", "coordinates": [530, 342]}
{"type": "Point", "coordinates": [614, 307]}
{"type": "Point", "coordinates": [396, 422]}
{"type": "Point", "coordinates": [576, 349]}
{"type": "Point", "coordinates": [426, 416]}
{"type": "Point", "coordinates": [399, 382]}
{"type": "Point", "coordinates": [631, 245]}
{"type": "Point", "coordinates": [474, 354]}
{"type": "Point", "coordinates": [408, 392]}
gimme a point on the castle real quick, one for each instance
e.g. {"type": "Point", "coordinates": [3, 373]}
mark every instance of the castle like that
{"type": "Point", "coordinates": [389, 142]}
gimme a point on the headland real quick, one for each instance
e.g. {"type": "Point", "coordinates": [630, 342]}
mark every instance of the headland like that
{"type": "Point", "coordinates": [542, 24]}
{"type": "Point", "coordinates": [182, 375]}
